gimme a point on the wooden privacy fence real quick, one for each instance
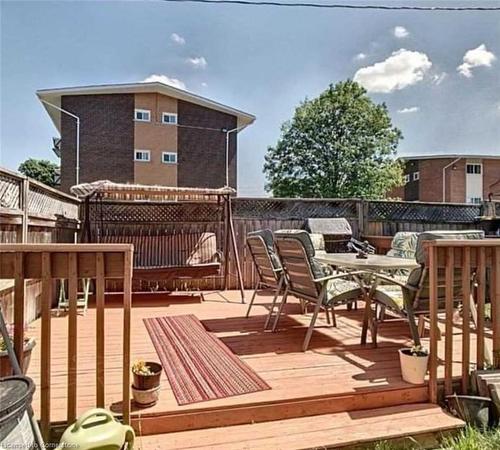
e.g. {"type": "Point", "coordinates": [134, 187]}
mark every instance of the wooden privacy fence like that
{"type": "Point", "coordinates": [477, 263]}
{"type": "Point", "coordinates": [47, 262]}
{"type": "Point", "coordinates": [31, 212]}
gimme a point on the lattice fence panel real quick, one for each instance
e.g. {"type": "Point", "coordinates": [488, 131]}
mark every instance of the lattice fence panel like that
{"type": "Point", "coordinates": [121, 212]}
{"type": "Point", "coordinates": [421, 212]}
{"type": "Point", "coordinates": [280, 209]}
{"type": "Point", "coordinates": [42, 202]}
{"type": "Point", "coordinates": [10, 190]}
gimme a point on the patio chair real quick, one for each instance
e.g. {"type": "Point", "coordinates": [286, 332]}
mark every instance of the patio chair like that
{"type": "Point", "coordinates": [82, 297]}
{"type": "Point", "coordinates": [311, 281]}
{"type": "Point", "coordinates": [267, 264]}
{"type": "Point", "coordinates": [410, 298]}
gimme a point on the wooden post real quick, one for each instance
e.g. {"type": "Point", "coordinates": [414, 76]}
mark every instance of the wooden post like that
{"type": "Point", "coordinates": [466, 304]}
{"type": "Point", "coordinates": [45, 369]}
{"type": "Point", "coordinates": [235, 252]}
{"type": "Point", "coordinates": [25, 204]}
{"type": "Point", "coordinates": [481, 292]}
{"type": "Point", "coordinates": [100, 330]}
{"type": "Point", "coordinates": [72, 336]}
{"type": "Point", "coordinates": [448, 349]}
{"type": "Point", "coordinates": [226, 241]}
{"type": "Point", "coordinates": [127, 305]}
{"type": "Point", "coordinates": [495, 306]}
{"type": "Point", "coordinates": [19, 305]}
{"type": "Point", "coordinates": [433, 347]}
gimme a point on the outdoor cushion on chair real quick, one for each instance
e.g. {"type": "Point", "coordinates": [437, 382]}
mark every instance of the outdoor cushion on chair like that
{"type": "Point", "coordinates": [412, 297]}
{"type": "Point", "coordinates": [404, 245]}
{"type": "Point", "coordinates": [267, 236]}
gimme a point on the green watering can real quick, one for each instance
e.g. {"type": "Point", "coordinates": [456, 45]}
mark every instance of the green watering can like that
{"type": "Point", "coordinates": [97, 429]}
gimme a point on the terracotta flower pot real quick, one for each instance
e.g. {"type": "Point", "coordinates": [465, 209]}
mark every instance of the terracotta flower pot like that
{"type": "Point", "coordinates": [6, 369]}
{"type": "Point", "coordinates": [144, 382]}
{"type": "Point", "coordinates": [413, 367]}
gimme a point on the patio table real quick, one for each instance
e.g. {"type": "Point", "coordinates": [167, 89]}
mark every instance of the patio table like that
{"type": "Point", "coordinates": [372, 265]}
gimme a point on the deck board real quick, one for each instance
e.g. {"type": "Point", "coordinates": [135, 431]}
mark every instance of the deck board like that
{"type": "Point", "coordinates": [336, 364]}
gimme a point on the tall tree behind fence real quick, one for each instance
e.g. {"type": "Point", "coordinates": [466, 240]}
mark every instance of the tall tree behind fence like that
{"type": "Point", "coordinates": [31, 212]}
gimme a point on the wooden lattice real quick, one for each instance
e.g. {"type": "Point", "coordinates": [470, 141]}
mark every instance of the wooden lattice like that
{"type": "Point", "coordinates": [422, 212]}
{"type": "Point", "coordinates": [154, 213]}
{"type": "Point", "coordinates": [10, 189]}
{"type": "Point", "coordinates": [42, 202]}
{"type": "Point", "coordinates": [293, 209]}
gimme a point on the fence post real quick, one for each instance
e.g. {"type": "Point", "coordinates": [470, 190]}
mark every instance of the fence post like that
{"type": "Point", "coordinates": [362, 210]}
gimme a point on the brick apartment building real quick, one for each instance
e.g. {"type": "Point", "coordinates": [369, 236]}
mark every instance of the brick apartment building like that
{"type": "Point", "coordinates": [460, 178]}
{"type": "Point", "coordinates": [145, 133]}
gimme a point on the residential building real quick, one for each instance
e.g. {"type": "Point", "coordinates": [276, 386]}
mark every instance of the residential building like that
{"type": "Point", "coordinates": [450, 178]}
{"type": "Point", "coordinates": [144, 133]}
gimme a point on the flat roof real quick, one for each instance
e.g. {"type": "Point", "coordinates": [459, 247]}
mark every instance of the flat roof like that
{"type": "Point", "coordinates": [54, 96]}
{"type": "Point", "coordinates": [451, 156]}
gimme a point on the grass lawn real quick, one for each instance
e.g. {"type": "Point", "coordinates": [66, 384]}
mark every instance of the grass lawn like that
{"type": "Point", "coordinates": [468, 439]}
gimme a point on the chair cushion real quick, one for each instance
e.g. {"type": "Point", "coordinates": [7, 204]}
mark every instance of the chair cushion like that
{"type": "Point", "coordinates": [443, 234]}
{"type": "Point", "coordinates": [318, 242]}
{"type": "Point", "coordinates": [392, 296]}
{"type": "Point", "coordinates": [268, 237]}
{"type": "Point", "coordinates": [205, 250]}
{"type": "Point", "coordinates": [404, 245]}
{"type": "Point", "coordinates": [340, 290]}
{"type": "Point", "coordinates": [319, 270]}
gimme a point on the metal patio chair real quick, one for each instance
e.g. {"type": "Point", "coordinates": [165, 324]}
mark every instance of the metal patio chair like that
{"type": "Point", "coordinates": [267, 264]}
{"type": "Point", "coordinates": [410, 298]}
{"type": "Point", "coordinates": [311, 281]}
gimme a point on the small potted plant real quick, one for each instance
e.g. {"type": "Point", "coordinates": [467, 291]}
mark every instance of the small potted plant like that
{"type": "Point", "coordinates": [414, 364]}
{"type": "Point", "coordinates": [6, 368]}
{"type": "Point", "coordinates": [146, 387]}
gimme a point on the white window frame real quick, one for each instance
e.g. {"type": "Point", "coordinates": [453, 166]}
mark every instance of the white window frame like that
{"type": "Point", "coordinates": [145, 152]}
{"type": "Point", "coordinates": [168, 114]}
{"type": "Point", "coordinates": [475, 200]}
{"type": "Point", "coordinates": [142, 111]}
{"type": "Point", "coordinates": [406, 178]}
{"type": "Point", "coordinates": [416, 176]}
{"type": "Point", "coordinates": [163, 154]}
{"type": "Point", "coordinates": [474, 165]}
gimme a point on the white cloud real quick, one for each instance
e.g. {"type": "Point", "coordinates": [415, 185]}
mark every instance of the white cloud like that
{"type": "Point", "coordinates": [360, 56]}
{"type": "Point", "coordinates": [198, 62]}
{"type": "Point", "coordinates": [177, 38]}
{"type": "Point", "coordinates": [438, 78]}
{"type": "Point", "coordinates": [400, 32]}
{"type": "Point", "coordinates": [403, 68]}
{"type": "Point", "coordinates": [165, 80]}
{"type": "Point", "coordinates": [476, 57]}
{"type": "Point", "coordinates": [409, 110]}
{"type": "Point", "coordinates": [203, 84]}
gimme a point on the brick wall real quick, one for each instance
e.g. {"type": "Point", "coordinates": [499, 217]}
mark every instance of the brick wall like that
{"type": "Point", "coordinates": [106, 138]}
{"type": "Point", "coordinates": [202, 153]}
{"type": "Point", "coordinates": [491, 170]}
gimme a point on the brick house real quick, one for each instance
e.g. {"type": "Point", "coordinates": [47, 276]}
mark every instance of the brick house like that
{"type": "Point", "coordinates": [145, 133]}
{"type": "Point", "coordinates": [460, 178]}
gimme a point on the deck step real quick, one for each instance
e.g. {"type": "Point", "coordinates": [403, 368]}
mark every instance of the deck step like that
{"type": "Point", "coordinates": [420, 422]}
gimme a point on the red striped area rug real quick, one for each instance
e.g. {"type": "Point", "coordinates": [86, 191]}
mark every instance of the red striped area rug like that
{"type": "Point", "coordinates": [199, 366]}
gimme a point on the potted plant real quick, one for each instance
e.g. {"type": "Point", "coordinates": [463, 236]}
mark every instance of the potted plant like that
{"type": "Point", "coordinates": [6, 368]}
{"type": "Point", "coordinates": [414, 364]}
{"type": "Point", "coordinates": [146, 386]}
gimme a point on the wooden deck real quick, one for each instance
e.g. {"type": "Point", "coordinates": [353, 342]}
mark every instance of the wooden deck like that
{"type": "Point", "coordinates": [335, 375]}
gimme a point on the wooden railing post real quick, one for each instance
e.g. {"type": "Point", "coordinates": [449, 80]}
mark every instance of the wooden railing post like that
{"type": "Point", "coordinates": [100, 334]}
{"type": "Point", "coordinates": [45, 369]}
{"type": "Point", "coordinates": [449, 288]}
{"type": "Point", "coordinates": [467, 300]}
{"type": "Point", "coordinates": [127, 306]}
{"type": "Point", "coordinates": [433, 311]}
{"type": "Point", "coordinates": [19, 305]}
{"type": "Point", "coordinates": [495, 306]}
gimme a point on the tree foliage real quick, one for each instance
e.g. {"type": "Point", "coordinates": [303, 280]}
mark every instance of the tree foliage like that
{"type": "Point", "coordinates": [340, 144]}
{"type": "Point", "coordinates": [40, 169]}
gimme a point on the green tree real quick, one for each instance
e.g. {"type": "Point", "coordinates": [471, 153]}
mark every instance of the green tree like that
{"type": "Point", "coordinates": [40, 169]}
{"type": "Point", "coordinates": [340, 144]}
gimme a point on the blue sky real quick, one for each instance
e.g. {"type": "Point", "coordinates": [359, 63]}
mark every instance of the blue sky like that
{"type": "Point", "coordinates": [262, 60]}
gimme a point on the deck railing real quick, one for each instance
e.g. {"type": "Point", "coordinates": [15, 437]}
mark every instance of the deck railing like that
{"type": "Point", "coordinates": [72, 262]}
{"type": "Point", "coordinates": [477, 263]}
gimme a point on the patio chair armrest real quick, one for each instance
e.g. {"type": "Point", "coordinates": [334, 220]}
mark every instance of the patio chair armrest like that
{"type": "Point", "coordinates": [390, 280]}
{"type": "Point", "coordinates": [339, 275]}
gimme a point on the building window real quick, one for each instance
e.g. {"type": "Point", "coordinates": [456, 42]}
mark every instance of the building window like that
{"type": "Point", "coordinates": [475, 200]}
{"type": "Point", "coordinates": [473, 168]}
{"type": "Point", "coordinates": [406, 178]}
{"type": "Point", "coordinates": [142, 115]}
{"type": "Point", "coordinates": [416, 176]}
{"type": "Point", "coordinates": [169, 158]}
{"type": "Point", "coordinates": [169, 118]}
{"type": "Point", "coordinates": [142, 155]}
